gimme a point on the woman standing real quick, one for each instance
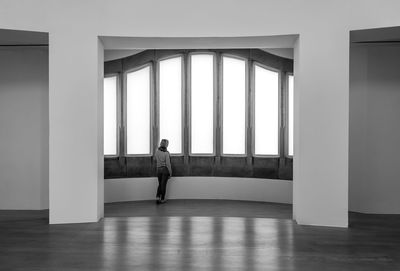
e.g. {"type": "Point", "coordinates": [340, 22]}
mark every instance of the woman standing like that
{"type": "Point", "coordinates": [164, 170]}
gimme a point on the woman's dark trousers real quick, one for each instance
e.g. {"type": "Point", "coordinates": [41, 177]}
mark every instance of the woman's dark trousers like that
{"type": "Point", "coordinates": [162, 174]}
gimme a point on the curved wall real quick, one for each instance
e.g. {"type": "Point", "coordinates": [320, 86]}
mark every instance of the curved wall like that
{"type": "Point", "coordinates": [321, 68]}
{"type": "Point", "coordinates": [251, 189]}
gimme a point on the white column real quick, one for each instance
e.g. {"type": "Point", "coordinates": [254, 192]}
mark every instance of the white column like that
{"type": "Point", "coordinates": [321, 96]}
{"type": "Point", "coordinates": [76, 140]}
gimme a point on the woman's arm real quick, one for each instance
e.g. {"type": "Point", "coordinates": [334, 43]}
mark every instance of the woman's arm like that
{"type": "Point", "coordinates": [168, 162]}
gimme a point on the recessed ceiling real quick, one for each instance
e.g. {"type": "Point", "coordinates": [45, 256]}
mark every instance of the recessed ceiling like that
{"type": "Point", "coordinates": [119, 47]}
{"type": "Point", "coordinates": [376, 35]}
{"type": "Point", "coordinates": [22, 38]}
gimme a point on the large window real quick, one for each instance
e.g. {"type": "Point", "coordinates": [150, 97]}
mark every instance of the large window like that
{"type": "Point", "coordinates": [202, 103]}
{"type": "Point", "coordinates": [266, 111]}
{"type": "Point", "coordinates": [138, 104]}
{"type": "Point", "coordinates": [233, 106]}
{"type": "Point", "coordinates": [225, 113]}
{"type": "Point", "coordinates": [110, 116]}
{"type": "Point", "coordinates": [290, 114]}
{"type": "Point", "coordinates": [170, 88]}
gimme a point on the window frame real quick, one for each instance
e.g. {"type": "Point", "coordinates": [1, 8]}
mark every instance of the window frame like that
{"type": "Point", "coordinates": [253, 109]}
{"type": "Point", "coordinates": [189, 102]}
{"type": "Point", "coordinates": [125, 111]}
{"type": "Point", "coordinates": [183, 99]}
{"type": "Point", "coordinates": [286, 144]}
{"type": "Point", "coordinates": [118, 108]}
{"type": "Point", "coordinates": [221, 102]}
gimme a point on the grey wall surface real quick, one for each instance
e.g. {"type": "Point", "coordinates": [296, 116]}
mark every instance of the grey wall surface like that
{"type": "Point", "coordinates": [374, 145]}
{"type": "Point", "coordinates": [24, 128]}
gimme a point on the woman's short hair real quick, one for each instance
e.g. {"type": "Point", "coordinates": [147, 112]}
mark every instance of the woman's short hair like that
{"type": "Point", "coordinates": [164, 143]}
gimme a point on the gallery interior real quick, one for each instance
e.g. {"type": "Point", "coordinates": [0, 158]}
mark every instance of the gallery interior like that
{"type": "Point", "coordinates": [282, 119]}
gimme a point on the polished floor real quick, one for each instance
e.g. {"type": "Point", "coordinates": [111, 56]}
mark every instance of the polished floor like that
{"type": "Point", "coordinates": [197, 235]}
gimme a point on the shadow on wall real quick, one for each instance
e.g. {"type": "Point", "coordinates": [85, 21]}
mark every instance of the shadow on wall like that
{"type": "Point", "coordinates": [374, 126]}
{"type": "Point", "coordinates": [24, 120]}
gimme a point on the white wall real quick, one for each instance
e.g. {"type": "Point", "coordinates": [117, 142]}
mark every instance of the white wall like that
{"type": "Point", "coordinates": [322, 55]}
{"type": "Point", "coordinates": [374, 182]}
{"type": "Point", "coordinates": [24, 128]}
{"type": "Point", "coordinates": [76, 140]}
{"type": "Point", "coordinates": [200, 188]}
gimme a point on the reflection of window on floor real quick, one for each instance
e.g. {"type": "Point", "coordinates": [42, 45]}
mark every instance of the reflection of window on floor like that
{"type": "Point", "coordinates": [206, 103]}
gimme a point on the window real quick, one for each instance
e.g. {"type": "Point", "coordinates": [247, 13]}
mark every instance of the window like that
{"type": "Point", "coordinates": [226, 112]}
{"type": "Point", "coordinates": [266, 111]}
{"type": "Point", "coordinates": [138, 128]}
{"type": "Point", "coordinates": [171, 103]}
{"type": "Point", "coordinates": [202, 103]}
{"type": "Point", "coordinates": [233, 106]}
{"type": "Point", "coordinates": [290, 114]}
{"type": "Point", "coordinates": [110, 115]}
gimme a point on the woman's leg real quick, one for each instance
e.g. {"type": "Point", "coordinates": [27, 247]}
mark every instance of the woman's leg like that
{"type": "Point", "coordinates": [159, 176]}
{"type": "Point", "coordinates": [163, 184]}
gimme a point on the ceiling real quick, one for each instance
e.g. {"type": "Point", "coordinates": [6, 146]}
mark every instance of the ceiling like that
{"type": "Point", "coordinates": [22, 38]}
{"type": "Point", "coordinates": [119, 47]}
{"type": "Point", "coordinates": [376, 35]}
{"type": "Point", "coordinates": [117, 54]}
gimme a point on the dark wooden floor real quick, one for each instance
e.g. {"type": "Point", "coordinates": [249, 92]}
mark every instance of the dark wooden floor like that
{"type": "Point", "coordinates": [197, 235]}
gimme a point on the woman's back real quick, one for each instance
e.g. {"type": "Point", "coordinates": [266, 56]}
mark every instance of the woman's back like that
{"type": "Point", "coordinates": [161, 158]}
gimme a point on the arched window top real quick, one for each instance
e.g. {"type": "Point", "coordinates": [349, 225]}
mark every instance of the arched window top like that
{"type": "Point", "coordinates": [173, 58]}
{"type": "Point", "coordinates": [266, 111]}
{"type": "Point", "coordinates": [170, 105]}
{"type": "Point", "coordinates": [138, 111]}
{"type": "Point", "coordinates": [201, 104]}
{"type": "Point", "coordinates": [234, 101]}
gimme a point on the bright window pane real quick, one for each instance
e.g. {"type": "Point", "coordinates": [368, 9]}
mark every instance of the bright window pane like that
{"type": "Point", "coordinates": [290, 113]}
{"type": "Point", "coordinates": [202, 100]}
{"type": "Point", "coordinates": [138, 111]}
{"type": "Point", "coordinates": [234, 106]}
{"type": "Point", "coordinates": [171, 103]}
{"type": "Point", "coordinates": [110, 115]}
{"type": "Point", "coordinates": [266, 111]}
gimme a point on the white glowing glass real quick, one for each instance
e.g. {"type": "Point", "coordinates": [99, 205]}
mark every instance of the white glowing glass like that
{"type": "Point", "coordinates": [290, 114]}
{"type": "Point", "coordinates": [138, 112]}
{"type": "Point", "coordinates": [171, 103]}
{"type": "Point", "coordinates": [110, 115]}
{"type": "Point", "coordinates": [234, 106]}
{"type": "Point", "coordinates": [266, 111]}
{"type": "Point", "coordinates": [202, 101]}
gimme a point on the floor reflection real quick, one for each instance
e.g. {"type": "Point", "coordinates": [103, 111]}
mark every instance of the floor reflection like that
{"type": "Point", "coordinates": [177, 237]}
{"type": "Point", "coordinates": [196, 243]}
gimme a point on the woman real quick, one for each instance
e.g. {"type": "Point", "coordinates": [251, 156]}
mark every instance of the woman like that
{"type": "Point", "coordinates": [164, 170]}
